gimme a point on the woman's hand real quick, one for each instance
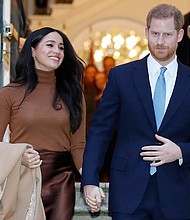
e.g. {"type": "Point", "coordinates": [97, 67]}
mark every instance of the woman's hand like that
{"type": "Point", "coordinates": [31, 158]}
{"type": "Point", "coordinates": [93, 196]}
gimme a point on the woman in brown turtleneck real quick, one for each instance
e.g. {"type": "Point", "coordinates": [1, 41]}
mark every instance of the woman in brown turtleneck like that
{"type": "Point", "coordinates": [45, 107]}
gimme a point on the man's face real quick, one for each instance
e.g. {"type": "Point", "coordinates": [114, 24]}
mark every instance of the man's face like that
{"type": "Point", "coordinates": [163, 39]}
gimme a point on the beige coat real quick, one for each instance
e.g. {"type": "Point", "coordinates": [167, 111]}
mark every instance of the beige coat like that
{"type": "Point", "coordinates": [20, 187]}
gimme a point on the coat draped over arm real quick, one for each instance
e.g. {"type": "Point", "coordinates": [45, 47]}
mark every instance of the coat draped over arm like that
{"type": "Point", "coordinates": [20, 186]}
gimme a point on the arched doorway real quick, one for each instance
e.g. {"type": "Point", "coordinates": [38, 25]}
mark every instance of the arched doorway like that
{"type": "Point", "coordinates": [121, 38]}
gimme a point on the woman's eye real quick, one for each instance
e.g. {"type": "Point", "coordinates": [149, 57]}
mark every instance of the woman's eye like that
{"type": "Point", "coordinates": [50, 45]}
{"type": "Point", "coordinates": [61, 48]}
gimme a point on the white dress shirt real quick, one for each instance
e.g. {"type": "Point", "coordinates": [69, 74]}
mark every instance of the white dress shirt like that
{"type": "Point", "coordinates": [170, 78]}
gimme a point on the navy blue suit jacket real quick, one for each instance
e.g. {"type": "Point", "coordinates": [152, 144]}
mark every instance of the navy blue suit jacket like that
{"type": "Point", "coordinates": [127, 105]}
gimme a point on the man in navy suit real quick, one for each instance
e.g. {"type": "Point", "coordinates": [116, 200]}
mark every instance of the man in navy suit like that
{"type": "Point", "coordinates": [127, 104]}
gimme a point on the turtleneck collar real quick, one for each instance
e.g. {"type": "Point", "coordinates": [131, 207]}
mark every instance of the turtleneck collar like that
{"type": "Point", "coordinates": [46, 77]}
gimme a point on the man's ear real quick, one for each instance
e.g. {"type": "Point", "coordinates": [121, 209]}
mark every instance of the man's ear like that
{"type": "Point", "coordinates": [180, 35]}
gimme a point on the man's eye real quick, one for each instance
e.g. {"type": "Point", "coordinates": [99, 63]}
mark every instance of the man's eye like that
{"type": "Point", "coordinates": [167, 35]}
{"type": "Point", "coordinates": [155, 34]}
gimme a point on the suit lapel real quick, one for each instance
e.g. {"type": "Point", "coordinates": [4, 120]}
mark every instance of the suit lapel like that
{"type": "Point", "coordinates": [181, 88]}
{"type": "Point", "coordinates": [142, 85]}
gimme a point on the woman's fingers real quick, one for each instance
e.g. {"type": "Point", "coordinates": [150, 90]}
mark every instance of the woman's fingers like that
{"type": "Point", "coordinates": [31, 158]}
{"type": "Point", "coordinates": [37, 164]}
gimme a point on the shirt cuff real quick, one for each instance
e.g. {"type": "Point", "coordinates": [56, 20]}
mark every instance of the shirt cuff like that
{"type": "Point", "coordinates": [180, 162]}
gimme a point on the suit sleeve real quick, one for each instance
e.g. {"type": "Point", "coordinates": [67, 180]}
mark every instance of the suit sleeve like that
{"type": "Point", "coordinates": [102, 127]}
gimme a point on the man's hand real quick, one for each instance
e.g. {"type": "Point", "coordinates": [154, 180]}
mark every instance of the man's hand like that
{"type": "Point", "coordinates": [93, 197]}
{"type": "Point", "coordinates": [161, 154]}
{"type": "Point", "coordinates": [31, 158]}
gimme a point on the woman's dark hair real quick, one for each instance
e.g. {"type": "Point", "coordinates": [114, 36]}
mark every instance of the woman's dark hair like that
{"type": "Point", "coordinates": [69, 75]}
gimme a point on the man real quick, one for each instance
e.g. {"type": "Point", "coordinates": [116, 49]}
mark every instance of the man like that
{"type": "Point", "coordinates": [150, 168]}
{"type": "Point", "coordinates": [108, 63]}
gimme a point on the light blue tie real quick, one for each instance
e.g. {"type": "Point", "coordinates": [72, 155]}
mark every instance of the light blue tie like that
{"type": "Point", "coordinates": [159, 102]}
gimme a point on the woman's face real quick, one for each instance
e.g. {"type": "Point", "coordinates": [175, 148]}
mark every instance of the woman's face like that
{"type": "Point", "coordinates": [49, 53]}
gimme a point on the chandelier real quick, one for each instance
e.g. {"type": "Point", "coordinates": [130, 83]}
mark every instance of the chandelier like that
{"type": "Point", "coordinates": [122, 46]}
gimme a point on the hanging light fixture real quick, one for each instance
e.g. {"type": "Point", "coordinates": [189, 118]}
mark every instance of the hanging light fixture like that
{"type": "Point", "coordinates": [123, 46]}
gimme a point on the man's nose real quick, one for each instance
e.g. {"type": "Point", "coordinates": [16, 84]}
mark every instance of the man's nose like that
{"type": "Point", "coordinates": [161, 40]}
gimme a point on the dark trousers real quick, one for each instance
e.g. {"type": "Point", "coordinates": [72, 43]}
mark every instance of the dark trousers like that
{"type": "Point", "coordinates": [149, 208]}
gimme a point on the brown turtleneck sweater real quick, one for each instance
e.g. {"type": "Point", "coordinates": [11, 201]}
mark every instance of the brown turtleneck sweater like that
{"type": "Point", "coordinates": [36, 122]}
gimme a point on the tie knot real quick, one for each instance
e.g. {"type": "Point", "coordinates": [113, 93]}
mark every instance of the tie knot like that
{"type": "Point", "coordinates": [162, 69]}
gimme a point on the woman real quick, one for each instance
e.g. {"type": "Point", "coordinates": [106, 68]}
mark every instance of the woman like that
{"type": "Point", "coordinates": [45, 107]}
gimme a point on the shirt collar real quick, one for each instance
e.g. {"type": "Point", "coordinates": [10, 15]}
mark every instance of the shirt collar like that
{"type": "Point", "coordinates": [154, 66]}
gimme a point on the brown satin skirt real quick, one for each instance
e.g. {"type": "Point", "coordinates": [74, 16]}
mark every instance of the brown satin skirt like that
{"type": "Point", "coordinates": [58, 191]}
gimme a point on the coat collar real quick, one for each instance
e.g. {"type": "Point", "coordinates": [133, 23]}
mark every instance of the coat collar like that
{"type": "Point", "coordinates": [142, 85]}
{"type": "Point", "coordinates": [181, 89]}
